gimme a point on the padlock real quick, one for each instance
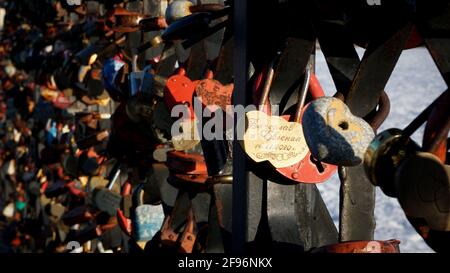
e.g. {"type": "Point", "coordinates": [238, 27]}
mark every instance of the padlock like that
{"type": "Point", "coordinates": [269, 138]}
{"type": "Point", "coordinates": [104, 198]}
{"type": "Point", "coordinates": [333, 134]}
{"type": "Point", "coordinates": [123, 20]}
{"type": "Point", "coordinates": [422, 186]}
{"type": "Point", "coordinates": [390, 246]}
{"type": "Point", "coordinates": [389, 148]}
{"type": "Point", "coordinates": [189, 236]}
{"type": "Point", "coordinates": [422, 180]}
{"type": "Point", "coordinates": [142, 102]}
{"type": "Point", "coordinates": [168, 236]}
{"type": "Point", "coordinates": [145, 218]}
{"type": "Point", "coordinates": [178, 9]}
{"type": "Point", "coordinates": [174, 220]}
{"type": "Point", "coordinates": [308, 170]}
{"type": "Point", "coordinates": [214, 97]}
{"type": "Point", "coordinates": [186, 163]}
{"type": "Point", "coordinates": [213, 93]}
{"type": "Point", "coordinates": [384, 155]}
{"type": "Point", "coordinates": [179, 93]}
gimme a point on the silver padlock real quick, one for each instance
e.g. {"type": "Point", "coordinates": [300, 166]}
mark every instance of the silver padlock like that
{"type": "Point", "coordinates": [147, 219]}
{"type": "Point", "coordinates": [333, 134]}
{"type": "Point", "coordinates": [105, 199]}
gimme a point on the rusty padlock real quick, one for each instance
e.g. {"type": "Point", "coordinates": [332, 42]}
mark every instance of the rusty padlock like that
{"type": "Point", "coordinates": [189, 167]}
{"type": "Point", "coordinates": [168, 237]}
{"type": "Point", "coordinates": [189, 236]}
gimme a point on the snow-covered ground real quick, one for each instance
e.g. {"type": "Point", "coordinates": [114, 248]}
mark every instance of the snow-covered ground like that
{"type": "Point", "coordinates": [414, 84]}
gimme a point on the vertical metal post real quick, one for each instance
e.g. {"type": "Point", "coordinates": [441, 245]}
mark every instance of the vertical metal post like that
{"type": "Point", "coordinates": [240, 191]}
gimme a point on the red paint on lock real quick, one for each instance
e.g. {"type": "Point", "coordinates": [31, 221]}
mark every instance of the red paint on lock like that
{"type": "Point", "coordinates": [125, 223]}
{"type": "Point", "coordinates": [309, 170]}
{"type": "Point", "coordinates": [437, 121]}
{"type": "Point", "coordinates": [180, 90]}
{"type": "Point", "coordinates": [186, 163]}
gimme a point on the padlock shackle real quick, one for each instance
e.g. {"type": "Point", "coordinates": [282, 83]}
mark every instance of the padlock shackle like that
{"type": "Point", "coordinates": [269, 80]}
{"type": "Point", "coordinates": [303, 92]}
{"type": "Point", "coordinates": [113, 175]}
{"type": "Point", "coordinates": [138, 196]}
{"type": "Point", "coordinates": [134, 65]}
{"type": "Point", "coordinates": [384, 107]}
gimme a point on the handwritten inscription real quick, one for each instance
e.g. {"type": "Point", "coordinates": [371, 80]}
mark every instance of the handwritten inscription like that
{"type": "Point", "coordinates": [212, 92]}
{"type": "Point", "coordinates": [273, 139]}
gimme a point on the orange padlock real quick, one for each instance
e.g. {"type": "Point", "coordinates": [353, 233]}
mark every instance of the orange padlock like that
{"type": "Point", "coordinates": [180, 90]}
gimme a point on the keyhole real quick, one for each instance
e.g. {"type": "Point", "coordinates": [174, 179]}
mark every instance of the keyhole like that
{"type": "Point", "coordinates": [318, 164]}
{"type": "Point", "coordinates": [343, 125]}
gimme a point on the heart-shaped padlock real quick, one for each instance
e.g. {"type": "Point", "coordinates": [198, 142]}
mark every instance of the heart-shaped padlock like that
{"type": "Point", "coordinates": [334, 135]}
{"type": "Point", "coordinates": [178, 97]}
{"type": "Point", "coordinates": [213, 93]}
{"type": "Point", "coordinates": [272, 138]}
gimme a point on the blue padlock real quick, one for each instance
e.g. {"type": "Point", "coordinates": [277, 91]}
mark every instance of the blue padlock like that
{"type": "Point", "coordinates": [147, 219]}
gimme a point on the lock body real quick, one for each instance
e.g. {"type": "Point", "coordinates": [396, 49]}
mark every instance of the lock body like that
{"type": "Point", "coordinates": [384, 155]}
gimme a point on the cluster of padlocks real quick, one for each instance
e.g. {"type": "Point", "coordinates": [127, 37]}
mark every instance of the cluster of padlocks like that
{"type": "Point", "coordinates": [121, 129]}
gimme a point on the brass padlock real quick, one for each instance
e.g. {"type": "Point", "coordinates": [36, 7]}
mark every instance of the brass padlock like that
{"type": "Point", "coordinates": [385, 153]}
{"type": "Point", "coordinates": [422, 183]}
